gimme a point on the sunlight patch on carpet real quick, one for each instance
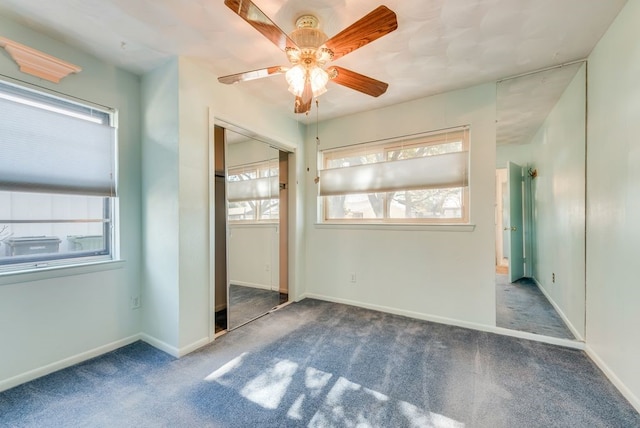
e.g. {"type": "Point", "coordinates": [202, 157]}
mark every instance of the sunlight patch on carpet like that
{"type": "Point", "coordinates": [231, 365]}
{"type": "Point", "coordinates": [420, 418]}
{"type": "Point", "coordinates": [269, 387]}
{"type": "Point", "coordinates": [314, 396]}
{"type": "Point", "coordinates": [295, 411]}
{"type": "Point", "coordinates": [351, 404]}
{"type": "Point", "coordinates": [315, 380]}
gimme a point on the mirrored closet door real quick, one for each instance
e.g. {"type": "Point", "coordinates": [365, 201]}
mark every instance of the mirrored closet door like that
{"type": "Point", "coordinates": [255, 202]}
{"type": "Point", "coordinates": [540, 202]}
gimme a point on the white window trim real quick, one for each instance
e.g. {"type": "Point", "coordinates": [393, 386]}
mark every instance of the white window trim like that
{"type": "Point", "coordinates": [37, 274]}
{"type": "Point", "coordinates": [66, 266]}
{"type": "Point", "coordinates": [412, 227]}
{"type": "Point", "coordinates": [430, 138]}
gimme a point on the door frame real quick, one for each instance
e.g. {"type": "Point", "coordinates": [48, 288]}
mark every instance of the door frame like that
{"type": "Point", "coordinates": [294, 217]}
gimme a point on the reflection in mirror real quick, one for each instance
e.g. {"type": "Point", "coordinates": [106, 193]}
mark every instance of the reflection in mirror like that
{"type": "Point", "coordinates": [540, 202]}
{"type": "Point", "coordinates": [253, 212]}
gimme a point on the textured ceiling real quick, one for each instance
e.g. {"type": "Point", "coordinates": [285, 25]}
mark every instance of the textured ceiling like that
{"type": "Point", "coordinates": [523, 103]}
{"type": "Point", "coordinates": [440, 45]}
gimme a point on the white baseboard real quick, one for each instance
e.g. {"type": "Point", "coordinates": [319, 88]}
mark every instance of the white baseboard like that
{"type": "Point", "coordinates": [92, 353]}
{"type": "Point", "coordinates": [568, 323]}
{"type": "Point", "coordinates": [172, 350]}
{"type": "Point", "coordinates": [567, 343]}
{"type": "Point", "coordinates": [193, 346]}
{"type": "Point", "coordinates": [66, 362]}
{"type": "Point", "coordinates": [450, 321]}
{"type": "Point", "coordinates": [159, 344]}
{"type": "Point", "coordinates": [252, 285]}
{"type": "Point", "coordinates": [624, 390]}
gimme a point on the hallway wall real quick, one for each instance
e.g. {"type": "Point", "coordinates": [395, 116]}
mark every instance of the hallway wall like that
{"type": "Point", "coordinates": [558, 150]}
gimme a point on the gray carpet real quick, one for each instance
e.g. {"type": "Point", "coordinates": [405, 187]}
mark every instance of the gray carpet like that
{"type": "Point", "coordinates": [247, 303]}
{"type": "Point", "coordinates": [322, 364]}
{"type": "Point", "coordinates": [522, 306]}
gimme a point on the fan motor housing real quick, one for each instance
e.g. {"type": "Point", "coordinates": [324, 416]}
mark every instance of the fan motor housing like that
{"type": "Point", "coordinates": [307, 21]}
{"type": "Point", "coordinates": [307, 35]}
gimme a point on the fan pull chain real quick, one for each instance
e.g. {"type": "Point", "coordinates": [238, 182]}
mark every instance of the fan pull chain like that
{"type": "Point", "coordinates": [317, 179]}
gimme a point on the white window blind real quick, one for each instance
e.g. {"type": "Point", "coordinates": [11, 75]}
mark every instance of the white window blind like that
{"type": "Point", "coordinates": [51, 149]}
{"type": "Point", "coordinates": [429, 172]}
{"type": "Point", "coordinates": [437, 160]}
{"type": "Point", "coordinates": [254, 189]}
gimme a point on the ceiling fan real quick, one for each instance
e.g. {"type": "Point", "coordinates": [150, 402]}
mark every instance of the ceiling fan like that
{"type": "Point", "coordinates": [308, 49]}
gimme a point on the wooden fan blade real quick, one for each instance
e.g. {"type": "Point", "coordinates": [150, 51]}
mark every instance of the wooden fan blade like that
{"type": "Point", "coordinates": [251, 75]}
{"type": "Point", "coordinates": [376, 24]}
{"type": "Point", "coordinates": [303, 103]}
{"type": "Point", "coordinates": [248, 11]}
{"type": "Point", "coordinates": [301, 106]}
{"type": "Point", "coordinates": [357, 81]}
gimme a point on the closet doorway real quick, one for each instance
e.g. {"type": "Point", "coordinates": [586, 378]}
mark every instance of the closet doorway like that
{"type": "Point", "coordinates": [251, 223]}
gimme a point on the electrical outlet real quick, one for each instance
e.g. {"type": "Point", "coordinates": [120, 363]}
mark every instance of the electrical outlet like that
{"type": "Point", "coordinates": [353, 277]}
{"type": "Point", "coordinates": [135, 302]}
{"type": "Point", "coordinates": [553, 277]}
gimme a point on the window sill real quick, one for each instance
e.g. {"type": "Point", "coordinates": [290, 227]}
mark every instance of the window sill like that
{"type": "Point", "coordinates": [38, 274]}
{"type": "Point", "coordinates": [399, 226]}
{"type": "Point", "coordinates": [258, 225]}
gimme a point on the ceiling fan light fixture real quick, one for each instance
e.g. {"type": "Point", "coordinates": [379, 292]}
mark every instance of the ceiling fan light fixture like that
{"type": "Point", "coordinates": [318, 79]}
{"type": "Point", "coordinates": [309, 50]}
{"type": "Point", "coordinates": [296, 77]}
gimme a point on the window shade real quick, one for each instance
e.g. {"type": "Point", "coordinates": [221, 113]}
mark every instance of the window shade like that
{"type": "Point", "coordinates": [429, 172]}
{"type": "Point", "coordinates": [46, 151]}
{"type": "Point", "coordinates": [252, 190]}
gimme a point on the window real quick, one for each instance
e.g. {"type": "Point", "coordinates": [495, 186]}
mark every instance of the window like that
{"type": "Point", "coordinates": [253, 192]}
{"type": "Point", "coordinates": [420, 179]}
{"type": "Point", "coordinates": [57, 181]}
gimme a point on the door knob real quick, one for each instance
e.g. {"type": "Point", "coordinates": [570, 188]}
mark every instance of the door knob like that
{"type": "Point", "coordinates": [512, 228]}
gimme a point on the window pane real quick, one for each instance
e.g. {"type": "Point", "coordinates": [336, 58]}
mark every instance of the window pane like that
{"type": "Point", "coordinates": [360, 206]}
{"type": "Point", "coordinates": [250, 174]}
{"type": "Point", "coordinates": [57, 185]}
{"type": "Point", "coordinates": [269, 209]}
{"type": "Point", "coordinates": [420, 178]}
{"type": "Point", "coordinates": [351, 159]}
{"type": "Point", "coordinates": [243, 210]}
{"type": "Point", "coordinates": [426, 204]}
{"type": "Point", "coordinates": [272, 171]}
{"type": "Point", "coordinates": [253, 192]}
{"type": "Point", "coordinates": [37, 226]}
{"type": "Point", "coordinates": [420, 151]}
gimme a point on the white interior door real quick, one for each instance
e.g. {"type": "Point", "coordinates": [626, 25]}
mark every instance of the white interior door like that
{"type": "Point", "coordinates": [515, 229]}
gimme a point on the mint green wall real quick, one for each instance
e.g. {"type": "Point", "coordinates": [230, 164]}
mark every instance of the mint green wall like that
{"type": "Point", "coordinates": [160, 183]}
{"type": "Point", "coordinates": [49, 320]}
{"type": "Point", "coordinates": [202, 100]}
{"type": "Point", "coordinates": [558, 153]}
{"type": "Point", "coordinates": [181, 100]}
{"type": "Point", "coordinates": [427, 273]}
{"type": "Point", "coordinates": [520, 154]}
{"type": "Point", "coordinates": [613, 202]}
